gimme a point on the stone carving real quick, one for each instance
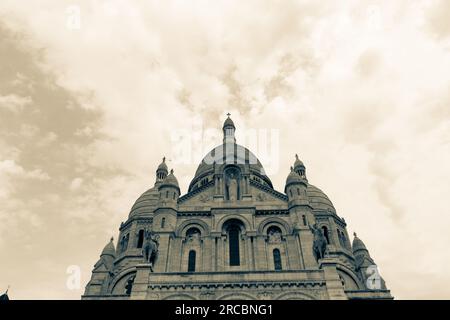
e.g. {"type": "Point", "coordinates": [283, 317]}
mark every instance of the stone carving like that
{"type": "Point", "coordinates": [265, 295]}
{"type": "Point", "coordinates": [207, 295]}
{"type": "Point", "coordinates": [261, 197]}
{"type": "Point", "coordinates": [274, 236]}
{"type": "Point", "coordinates": [150, 247]}
{"type": "Point", "coordinates": [204, 198]}
{"type": "Point", "coordinates": [319, 243]}
{"type": "Point", "coordinates": [232, 187]}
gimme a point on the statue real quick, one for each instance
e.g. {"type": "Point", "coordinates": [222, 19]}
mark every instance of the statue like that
{"type": "Point", "coordinates": [129, 285]}
{"type": "Point", "coordinates": [319, 243]}
{"type": "Point", "coordinates": [274, 236]}
{"type": "Point", "coordinates": [232, 187]}
{"type": "Point", "coordinates": [150, 247]}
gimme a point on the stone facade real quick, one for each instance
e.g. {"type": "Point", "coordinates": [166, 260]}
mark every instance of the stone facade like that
{"type": "Point", "coordinates": [233, 236]}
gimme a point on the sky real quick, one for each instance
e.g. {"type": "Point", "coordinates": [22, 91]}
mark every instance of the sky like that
{"type": "Point", "coordinates": [94, 93]}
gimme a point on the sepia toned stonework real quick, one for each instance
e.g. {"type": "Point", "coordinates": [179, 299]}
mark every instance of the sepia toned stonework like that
{"type": "Point", "coordinates": [233, 236]}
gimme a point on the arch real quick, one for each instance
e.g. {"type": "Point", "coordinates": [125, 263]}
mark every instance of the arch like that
{"type": "Point", "coordinates": [295, 296]}
{"type": "Point", "coordinates": [163, 222]}
{"type": "Point", "coordinates": [125, 274]}
{"type": "Point", "coordinates": [234, 231]}
{"type": "Point", "coordinates": [140, 240]}
{"type": "Point", "coordinates": [193, 230]}
{"type": "Point", "coordinates": [304, 220]}
{"type": "Point", "coordinates": [186, 225]}
{"type": "Point", "coordinates": [228, 217]}
{"type": "Point", "coordinates": [191, 260]}
{"type": "Point", "coordinates": [273, 228]}
{"type": "Point", "coordinates": [237, 296]}
{"type": "Point", "coordinates": [179, 296]}
{"type": "Point", "coordinates": [345, 271]}
{"type": "Point", "coordinates": [283, 225]}
{"type": "Point", "coordinates": [326, 233]}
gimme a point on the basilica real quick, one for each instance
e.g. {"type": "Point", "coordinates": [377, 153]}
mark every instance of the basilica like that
{"type": "Point", "coordinates": [233, 236]}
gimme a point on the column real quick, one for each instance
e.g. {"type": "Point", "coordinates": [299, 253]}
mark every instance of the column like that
{"type": "Point", "coordinates": [163, 251]}
{"type": "Point", "coordinates": [334, 285]}
{"type": "Point", "coordinates": [207, 253]}
{"type": "Point", "coordinates": [306, 246]}
{"type": "Point", "coordinates": [261, 260]}
{"type": "Point", "coordinates": [175, 256]}
{"type": "Point", "coordinates": [293, 253]}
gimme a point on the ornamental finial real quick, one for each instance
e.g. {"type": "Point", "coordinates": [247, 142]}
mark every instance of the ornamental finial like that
{"type": "Point", "coordinates": [228, 114]}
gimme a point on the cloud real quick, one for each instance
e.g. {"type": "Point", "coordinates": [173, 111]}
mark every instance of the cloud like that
{"type": "Point", "coordinates": [438, 19]}
{"type": "Point", "coordinates": [14, 102]}
{"type": "Point", "coordinates": [75, 184]}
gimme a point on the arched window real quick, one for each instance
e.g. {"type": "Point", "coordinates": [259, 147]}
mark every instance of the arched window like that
{"type": "Point", "coordinates": [325, 233]}
{"type": "Point", "coordinates": [140, 241]}
{"type": "Point", "coordinates": [191, 262]}
{"type": "Point", "coordinates": [124, 242]}
{"type": "Point", "coordinates": [163, 223]}
{"type": "Point", "coordinates": [233, 235]}
{"type": "Point", "coordinates": [167, 194]}
{"type": "Point", "coordinates": [277, 259]}
{"type": "Point", "coordinates": [304, 220]}
{"type": "Point", "coordinates": [290, 191]}
{"type": "Point", "coordinates": [298, 191]}
{"type": "Point", "coordinates": [340, 237]}
{"type": "Point", "coordinates": [343, 239]}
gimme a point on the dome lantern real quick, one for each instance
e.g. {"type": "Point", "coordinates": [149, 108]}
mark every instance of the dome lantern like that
{"type": "Point", "coordinates": [228, 130]}
{"type": "Point", "coordinates": [161, 172]}
{"type": "Point", "coordinates": [295, 188]}
{"type": "Point", "coordinates": [299, 167]}
{"type": "Point", "coordinates": [169, 192]}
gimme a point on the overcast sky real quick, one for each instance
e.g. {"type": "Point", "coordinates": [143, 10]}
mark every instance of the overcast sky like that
{"type": "Point", "coordinates": [94, 93]}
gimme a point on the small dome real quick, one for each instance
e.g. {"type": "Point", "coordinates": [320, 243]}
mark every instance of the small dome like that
{"type": "Point", "coordinates": [109, 249]}
{"type": "Point", "coordinates": [293, 177]}
{"type": "Point", "coordinates": [298, 162]}
{"type": "Point", "coordinates": [146, 203]}
{"type": "Point", "coordinates": [223, 155]}
{"type": "Point", "coordinates": [228, 122]}
{"type": "Point", "coordinates": [170, 180]}
{"type": "Point", "coordinates": [163, 166]}
{"type": "Point", "coordinates": [4, 297]}
{"type": "Point", "coordinates": [357, 244]}
{"type": "Point", "coordinates": [319, 200]}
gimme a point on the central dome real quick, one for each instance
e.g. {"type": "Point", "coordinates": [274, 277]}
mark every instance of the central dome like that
{"type": "Point", "coordinates": [225, 154]}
